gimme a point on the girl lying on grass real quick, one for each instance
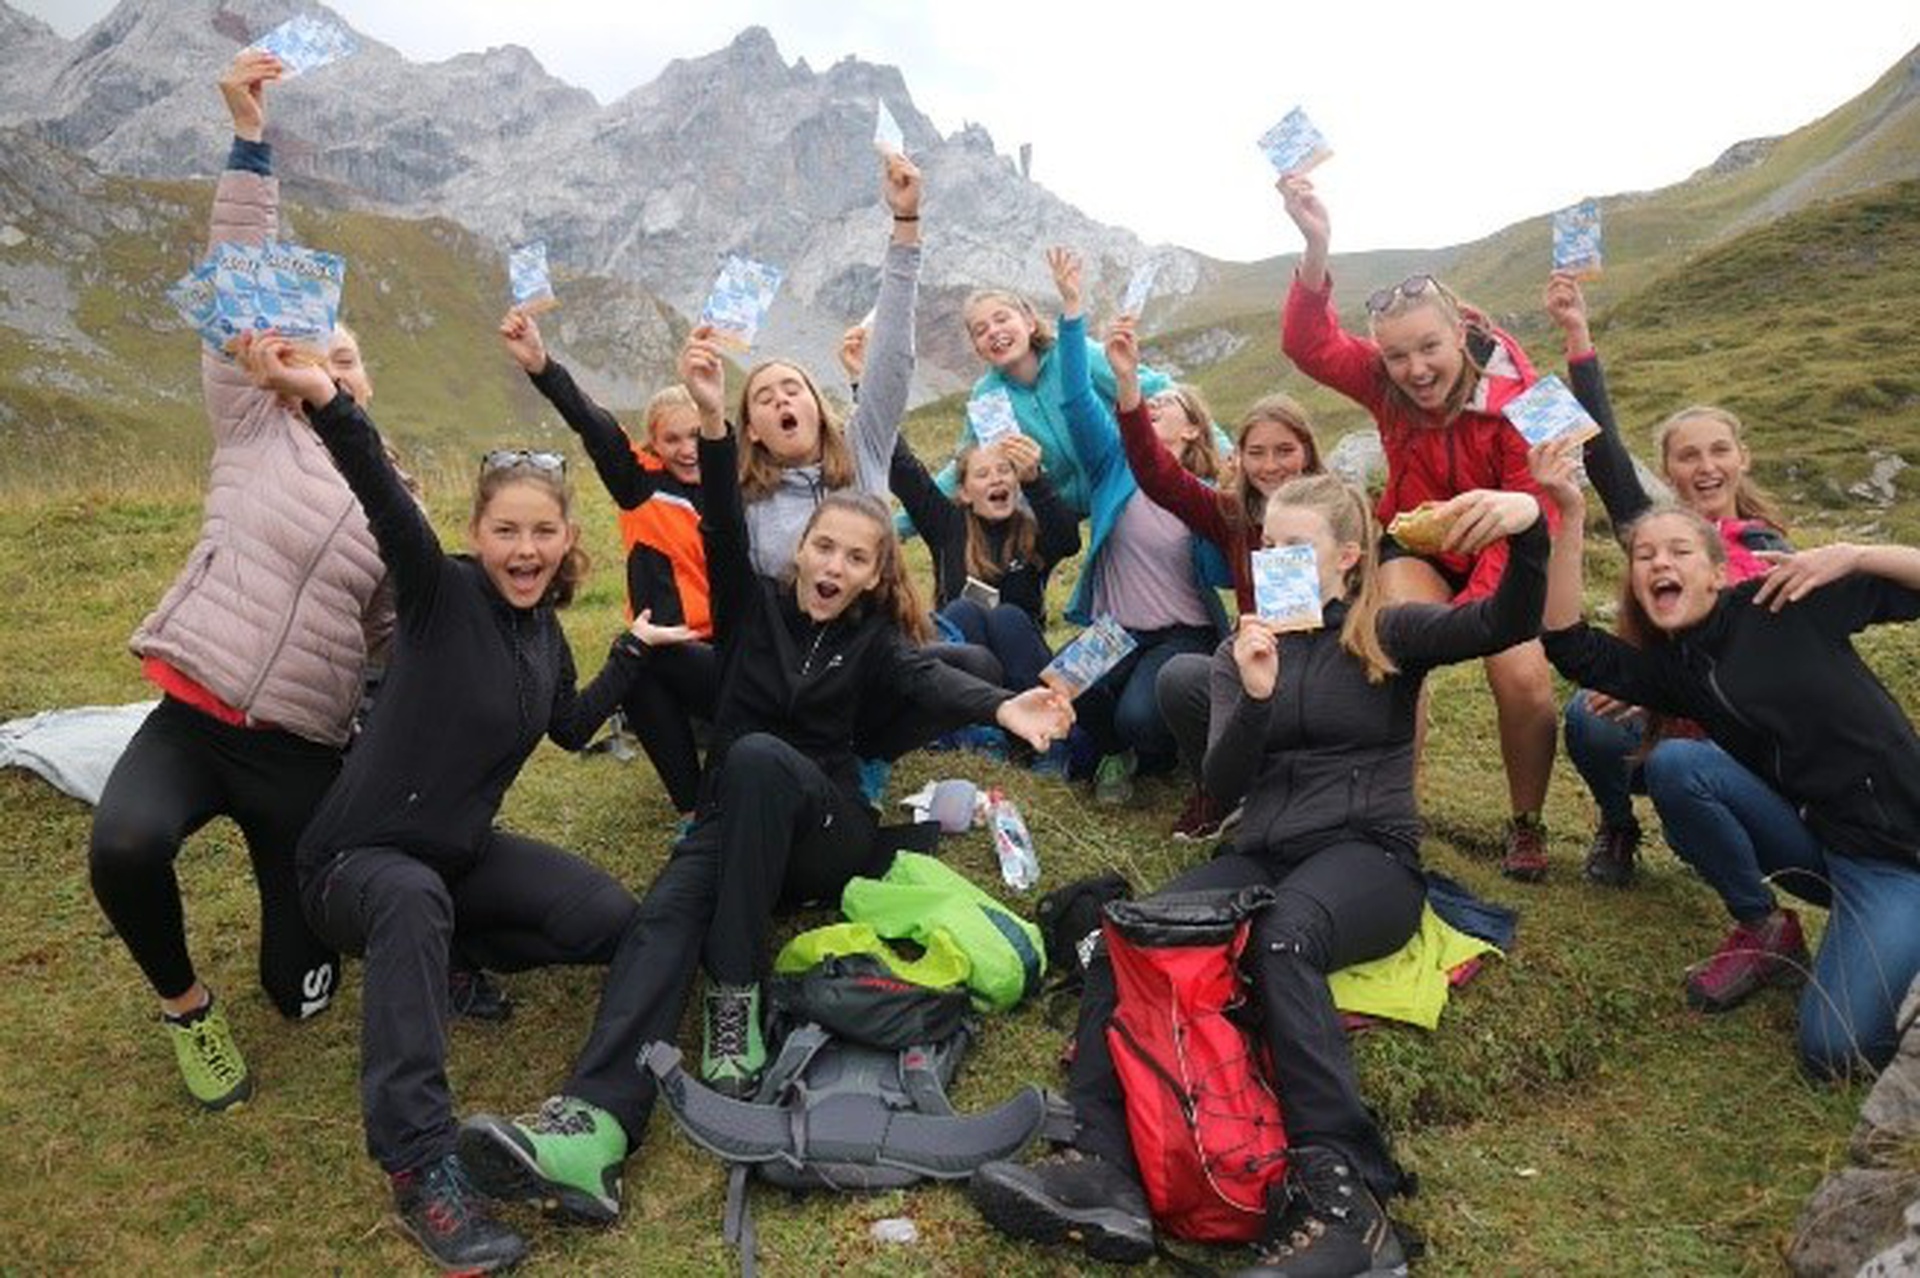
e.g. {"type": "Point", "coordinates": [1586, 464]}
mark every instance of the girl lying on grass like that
{"type": "Point", "coordinates": [1817, 790]}
{"type": "Point", "coordinates": [781, 820]}
{"type": "Point", "coordinates": [1316, 730]}
{"type": "Point", "coordinates": [1435, 374]}
{"type": "Point", "coordinates": [402, 859]}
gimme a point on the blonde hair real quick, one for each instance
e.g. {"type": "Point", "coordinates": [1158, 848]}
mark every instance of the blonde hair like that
{"type": "Point", "coordinates": [1278, 409]}
{"type": "Point", "coordinates": [666, 400]}
{"type": "Point", "coordinates": [1344, 507]}
{"type": "Point", "coordinates": [893, 593]}
{"type": "Point", "coordinates": [1197, 455]}
{"type": "Point", "coordinates": [1043, 334]}
{"type": "Point", "coordinates": [759, 470]}
{"type": "Point", "coordinates": [573, 567]}
{"type": "Point", "coordinates": [1750, 500]}
{"type": "Point", "coordinates": [1457, 314]}
{"type": "Point", "coordinates": [1017, 544]}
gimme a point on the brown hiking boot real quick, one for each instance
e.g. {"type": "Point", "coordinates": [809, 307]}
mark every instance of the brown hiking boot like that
{"type": "Point", "coordinates": [1525, 856]}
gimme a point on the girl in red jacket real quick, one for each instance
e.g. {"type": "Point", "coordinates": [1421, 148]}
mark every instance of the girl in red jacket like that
{"type": "Point", "coordinates": [1435, 375]}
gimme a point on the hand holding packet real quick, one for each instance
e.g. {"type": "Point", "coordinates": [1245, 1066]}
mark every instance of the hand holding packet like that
{"type": "Point", "coordinates": [1093, 652]}
{"type": "Point", "coordinates": [1576, 239]}
{"type": "Point", "coordinates": [1294, 145]}
{"type": "Point", "coordinates": [888, 137]}
{"type": "Point", "coordinates": [741, 298]}
{"type": "Point", "coordinates": [991, 416]}
{"type": "Point", "coordinates": [1549, 410]}
{"type": "Point", "coordinates": [1286, 587]}
{"type": "Point", "coordinates": [527, 276]}
{"type": "Point", "coordinates": [306, 43]}
{"type": "Point", "coordinates": [242, 288]}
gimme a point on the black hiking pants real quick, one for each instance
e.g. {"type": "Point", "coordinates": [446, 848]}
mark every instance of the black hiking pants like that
{"type": "Point", "coordinates": [1345, 903]}
{"type": "Point", "coordinates": [677, 685]}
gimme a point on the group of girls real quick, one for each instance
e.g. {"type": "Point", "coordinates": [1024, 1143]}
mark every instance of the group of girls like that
{"type": "Point", "coordinates": [768, 597]}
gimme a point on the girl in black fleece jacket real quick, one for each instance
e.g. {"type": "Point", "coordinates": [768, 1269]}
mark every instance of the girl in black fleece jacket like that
{"type": "Point", "coordinates": [402, 858]}
{"type": "Point", "coordinates": [1315, 729]}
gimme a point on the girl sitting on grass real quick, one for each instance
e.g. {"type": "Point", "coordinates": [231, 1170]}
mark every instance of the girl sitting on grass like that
{"type": "Point", "coordinates": [657, 488]}
{"type": "Point", "coordinates": [1435, 374]}
{"type": "Point", "coordinates": [402, 859]}
{"type": "Point", "coordinates": [1818, 792]}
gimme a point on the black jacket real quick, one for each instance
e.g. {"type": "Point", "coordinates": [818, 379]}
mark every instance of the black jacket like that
{"type": "Point", "coordinates": [1785, 694]}
{"type": "Point", "coordinates": [473, 685]}
{"type": "Point", "coordinates": [942, 521]}
{"type": "Point", "coordinates": [783, 673]}
{"type": "Point", "coordinates": [1330, 755]}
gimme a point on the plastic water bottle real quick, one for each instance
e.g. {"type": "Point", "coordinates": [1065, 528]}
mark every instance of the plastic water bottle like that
{"type": "Point", "coordinates": [1019, 865]}
{"type": "Point", "coordinates": [894, 1229]}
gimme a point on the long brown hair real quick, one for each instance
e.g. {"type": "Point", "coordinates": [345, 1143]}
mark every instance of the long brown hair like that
{"type": "Point", "coordinates": [1017, 544]}
{"type": "Point", "coordinates": [760, 472]}
{"type": "Point", "coordinates": [1750, 500]}
{"type": "Point", "coordinates": [1457, 314]}
{"type": "Point", "coordinates": [1197, 455]}
{"type": "Point", "coordinates": [573, 567]}
{"type": "Point", "coordinates": [1247, 507]}
{"type": "Point", "coordinates": [1345, 509]}
{"type": "Point", "coordinates": [1632, 623]}
{"type": "Point", "coordinates": [893, 593]}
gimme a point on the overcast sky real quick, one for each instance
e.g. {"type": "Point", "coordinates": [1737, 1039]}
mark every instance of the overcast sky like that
{"type": "Point", "coordinates": [1448, 120]}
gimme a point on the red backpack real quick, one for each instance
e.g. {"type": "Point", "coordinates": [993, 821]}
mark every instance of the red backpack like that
{"type": "Point", "coordinates": [1201, 1114]}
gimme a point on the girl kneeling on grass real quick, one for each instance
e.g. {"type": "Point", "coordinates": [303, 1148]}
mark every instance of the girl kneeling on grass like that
{"type": "Point", "coordinates": [781, 820]}
{"type": "Point", "coordinates": [1316, 730]}
{"type": "Point", "coordinates": [1435, 375]}
{"type": "Point", "coordinates": [402, 859]}
{"type": "Point", "coordinates": [1821, 795]}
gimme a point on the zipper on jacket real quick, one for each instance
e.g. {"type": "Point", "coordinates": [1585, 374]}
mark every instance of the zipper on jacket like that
{"type": "Point", "coordinates": [1713, 682]}
{"type": "Point", "coordinates": [806, 662]}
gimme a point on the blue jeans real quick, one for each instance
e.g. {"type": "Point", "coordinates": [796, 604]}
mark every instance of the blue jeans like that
{"type": "Point", "coordinates": [1741, 836]}
{"type": "Point", "coordinates": [1122, 710]}
{"type": "Point", "coordinates": [1602, 751]}
{"type": "Point", "coordinates": [1009, 633]}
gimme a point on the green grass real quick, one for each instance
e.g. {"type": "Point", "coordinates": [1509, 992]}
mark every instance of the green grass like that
{"type": "Point", "coordinates": [1568, 1117]}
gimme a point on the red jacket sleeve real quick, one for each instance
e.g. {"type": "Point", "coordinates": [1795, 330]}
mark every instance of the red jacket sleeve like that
{"type": "Point", "coordinates": [1311, 336]}
{"type": "Point", "coordinates": [1167, 483]}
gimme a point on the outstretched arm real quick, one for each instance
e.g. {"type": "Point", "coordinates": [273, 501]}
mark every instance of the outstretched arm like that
{"type": "Point", "coordinates": [627, 482]}
{"type": "Point", "coordinates": [1159, 473]}
{"type": "Point", "coordinates": [723, 517]}
{"type": "Point", "coordinates": [1422, 636]}
{"type": "Point", "coordinates": [889, 362]}
{"type": "Point", "coordinates": [1609, 466]}
{"type": "Point", "coordinates": [1096, 440]}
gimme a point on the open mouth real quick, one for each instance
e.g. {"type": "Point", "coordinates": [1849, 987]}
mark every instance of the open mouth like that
{"type": "Point", "coordinates": [1000, 344]}
{"type": "Point", "coordinates": [826, 591]}
{"type": "Point", "coordinates": [1665, 593]}
{"type": "Point", "coordinates": [789, 423]}
{"type": "Point", "coordinates": [524, 577]}
{"type": "Point", "coordinates": [999, 495]}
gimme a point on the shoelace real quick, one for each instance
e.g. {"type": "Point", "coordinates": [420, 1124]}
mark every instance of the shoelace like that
{"type": "Point", "coordinates": [448, 1196]}
{"type": "Point", "coordinates": [730, 1025]}
{"type": "Point", "coordinates": [217, 1052]}
{"type": "Point", "coordinates": [1315, 1194]}
{"type": "Point", "coordinates": [558, 1118]}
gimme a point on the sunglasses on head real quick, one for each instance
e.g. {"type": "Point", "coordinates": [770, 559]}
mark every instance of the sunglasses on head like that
{"type": "Point", "coordinates": [1411, 287]}
{"type": "Point", "coordinates": [533, 459]}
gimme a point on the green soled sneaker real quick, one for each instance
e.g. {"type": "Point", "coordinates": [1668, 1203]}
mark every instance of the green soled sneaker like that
{"type": "Point", "coordinates": [566, 1158]}
{"type": "Point", "coordinates": [210, 1062]}
{"type": "Point", "coordinates": [732, 1053]}
{"type": "Point", "coordinates": [1113, 779]}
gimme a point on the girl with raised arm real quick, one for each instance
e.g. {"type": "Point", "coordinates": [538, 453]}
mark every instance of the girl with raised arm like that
{"type": "Point", "coordinates": [1435, 374]}
{"type": "Point", "coordinates": [258, 650]}
{"type": "Point", "coordinates": [1316, 730]}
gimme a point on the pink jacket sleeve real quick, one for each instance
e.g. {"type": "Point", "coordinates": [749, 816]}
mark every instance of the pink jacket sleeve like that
{"type": "Point", "coordinates": [246, 210]}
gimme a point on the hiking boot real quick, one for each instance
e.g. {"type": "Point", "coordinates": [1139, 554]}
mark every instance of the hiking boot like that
{"type": "Point", "coordinates": [1754, 955]}
{"type": "Point", "coordinates": [732, 1053]}
{"type": "Point", "coordinates": [1199, 820]}
{"type": "Point", "coordinates": [442, 1211]}
{"type": "Point", "coordinates": [1525, 855]}
{"type": "Point", "coordinates": [1329, 1225]}
{"type": "Point", "coordinates": [475, 996]}
{"type": "Point", "coordinates": [210, 1062]}
{"type": "Point", "coordinates": [566, 1158]}
{"type": "Point", "coordinates": [1113, 779]}
{"type": "Point", "coordinates": [1611, 856]}
{"type": "Point", "coordinates": [1068, 1197]}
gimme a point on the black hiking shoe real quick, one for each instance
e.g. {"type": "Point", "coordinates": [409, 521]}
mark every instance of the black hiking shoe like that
{"type": "Point", "coordinates": [475, 996]}
{"type": "Point", "coordinates": [1068, 1197]}
{"type": "Point", "coordinates": [1329, 1225]}
{"type": "Point", "coordinates": [1611, 856]}
{"type": "Point", "coordinates": [442, 1211]}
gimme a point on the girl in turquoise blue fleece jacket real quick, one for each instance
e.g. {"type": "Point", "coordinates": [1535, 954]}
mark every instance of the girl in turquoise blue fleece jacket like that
{"type": "Point", "coordinates": [1165, 616]}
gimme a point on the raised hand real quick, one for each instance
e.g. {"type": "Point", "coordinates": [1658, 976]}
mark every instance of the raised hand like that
{"type": "Point", "coordinates": [1123, 348]}
{"type": "Point", "coordinates": [654, 636]}
{"type": "Point", "coordinates": [1306, 209]}
{"type": "Point", "coordinates": [900, 186]}
{"type": "Point", "coordinates": [1065, 265]}
{"type": "Point", "coordinates": [1555, 466]}
{"type": "Point", "coordinates": [853, 352]}
{"type": "Point", "coordinates": [522, 336]}
{"type": "Point", "coordinates": [1485, 515]}
{"type": "Point", "coordinates": [1023, 454]}
{"type": "Point", "coordinates": [1257, 652]}
{"type": "Point", "coordinates": [1039, 716]}
{"type": "Point", "coordinates": [272, 364]}
{"type": "Point", "coordinates": [243, 86]}
{"type": "Point", "coordinates": [705, 376]}
{"type": "Point", "coordinates": [1566, 306]}
{"type": "Point", "coordinates": [1798, 574]}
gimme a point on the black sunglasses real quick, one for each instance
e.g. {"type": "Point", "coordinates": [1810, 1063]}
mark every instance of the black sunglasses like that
{"type": "Point", "coordinates": [1411, 287]}
{"type": "Point", "coordinates": [533, 459]}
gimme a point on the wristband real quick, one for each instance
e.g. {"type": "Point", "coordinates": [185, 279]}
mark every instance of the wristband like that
{"type": "Point", "coordinates": [902, 218]}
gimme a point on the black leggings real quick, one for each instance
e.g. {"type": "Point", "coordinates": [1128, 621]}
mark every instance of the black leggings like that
{"type": "Point", "coordinates": [522, 905]}
{"type": "Point", "coordinates": [182, 769]}
{"type": "Point", "coordinates": [677, 685]}
{"type": "Point", "coordinates": [1344, 904]}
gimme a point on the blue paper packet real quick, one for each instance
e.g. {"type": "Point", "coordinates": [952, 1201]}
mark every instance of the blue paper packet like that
{"type": "Point", "coordinates": [888, 137]}
{"type": "Point", "coordinates": [527, 276]}
{"type": "Point", "coordinates": [1549, 410]}
{"type": "Point", "coordinates": [1576, 239]}
{"type": "Point", "coordinates": [306, 43]}
{"type": "Point", "coordinates": [1294, 145]}
{"type": "Point", "coordinates": [1093, 652]}
{"type": "Point", "coordinates": [193, 296]}
{"type": "Point", "coordinates": [242, 288]}
{"type": "Point", "coordinates": [1286, 587]}
{"type": "Point", "coordinates": [741, 297]}
{"type": "Point", "coordinates": [1139, 287]}
{"type": "Point", "coordinates": [991, 416]}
